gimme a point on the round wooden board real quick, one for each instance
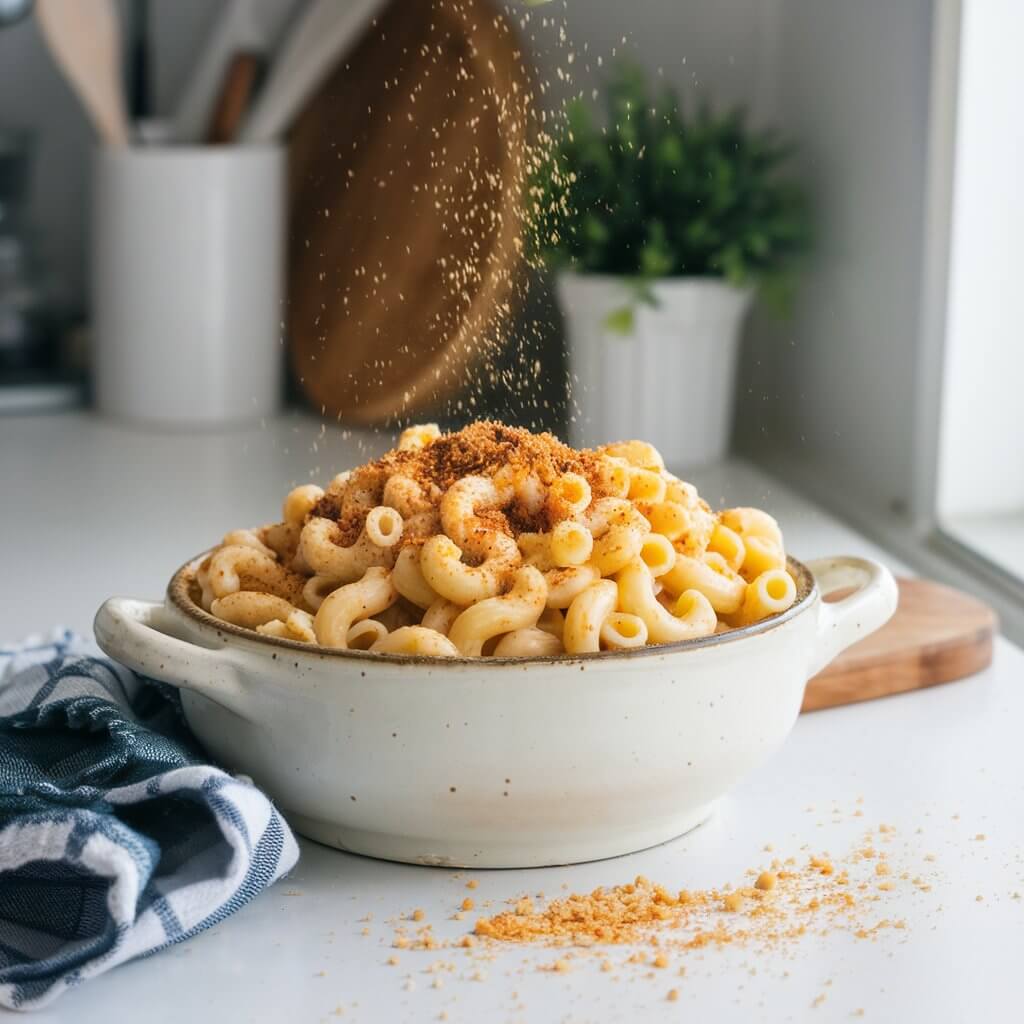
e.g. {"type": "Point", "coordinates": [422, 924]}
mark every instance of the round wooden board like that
{"type": "Point", "coordinates": [938, 634]}
{"type": "Point", "coordinates": [405, 206]}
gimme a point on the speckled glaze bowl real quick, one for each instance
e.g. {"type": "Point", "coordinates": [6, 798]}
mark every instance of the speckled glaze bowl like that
{"type": "Point", "coordinates": [497, 762]}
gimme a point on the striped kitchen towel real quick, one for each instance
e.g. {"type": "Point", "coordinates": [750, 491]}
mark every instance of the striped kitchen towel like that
{"type": "Point", "coordinates": [117, 837]}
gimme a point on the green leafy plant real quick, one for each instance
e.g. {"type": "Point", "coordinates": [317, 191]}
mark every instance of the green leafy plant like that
{"type": "Point", "coordinates": [657, 192]}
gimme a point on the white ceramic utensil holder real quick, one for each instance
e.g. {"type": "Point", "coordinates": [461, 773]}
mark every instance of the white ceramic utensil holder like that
{"type": "Point", "coordinates": [187, 283]}
{"type": "Point", "coordinates": [670, 381]}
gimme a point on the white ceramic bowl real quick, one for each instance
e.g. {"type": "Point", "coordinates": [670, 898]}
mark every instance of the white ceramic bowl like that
{"type": "Point", "coordinates": [496, 763]}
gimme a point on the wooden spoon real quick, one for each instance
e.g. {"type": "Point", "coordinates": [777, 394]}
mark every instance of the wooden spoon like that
{"type": "Point", "coordinates": [242, 27]}
{"type": "Point", "coordinates": [84, 37]}
{"type": "Point", "coordinates": [236, 92]}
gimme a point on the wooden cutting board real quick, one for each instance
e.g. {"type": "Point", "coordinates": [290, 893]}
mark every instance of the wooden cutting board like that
{"type": "Point", "coordinates": [937, 635]}
{"type": "Point", "coordinates": [405, 201]}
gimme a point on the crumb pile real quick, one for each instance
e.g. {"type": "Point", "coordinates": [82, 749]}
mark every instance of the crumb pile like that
{"type": "Point", "coordinates": [790, 916]}
{"type": "Point", "coordinates": [784, 902]}
{"type": "Point", "coordinates": [777, 906]}
{"type": "Point", "coordinates": [485, 447]}
{"type": "Point", "coordinates": [481, 449]}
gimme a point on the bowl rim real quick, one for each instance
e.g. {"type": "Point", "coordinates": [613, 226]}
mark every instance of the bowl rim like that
{"type": "Point", "coordinates": [180, 587]}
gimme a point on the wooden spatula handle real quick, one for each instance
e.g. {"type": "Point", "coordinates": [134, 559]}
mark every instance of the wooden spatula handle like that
{"type": "Point", "coordinates": [234, 98]}
{"type": "Point", "coordinates": [84, 37]}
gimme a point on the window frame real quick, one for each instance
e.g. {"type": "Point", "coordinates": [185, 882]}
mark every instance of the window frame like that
{"type": "Point", "coordinates": [1003, 587]}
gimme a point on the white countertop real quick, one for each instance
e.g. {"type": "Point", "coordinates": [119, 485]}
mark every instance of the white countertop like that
{"type": "Point", "coordinates": [91, 509]}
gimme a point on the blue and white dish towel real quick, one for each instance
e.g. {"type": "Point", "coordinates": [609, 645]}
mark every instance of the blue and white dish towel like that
{"type": "Point", "coordinates": [117, 837]}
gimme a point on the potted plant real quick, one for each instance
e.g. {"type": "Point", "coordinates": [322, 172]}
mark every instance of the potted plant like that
{"type": "Point", "coordinates": [661, 226]}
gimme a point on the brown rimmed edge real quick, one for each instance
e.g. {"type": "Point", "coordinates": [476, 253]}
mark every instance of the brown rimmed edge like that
{"type": "Point", "coordinates": [182, 591]}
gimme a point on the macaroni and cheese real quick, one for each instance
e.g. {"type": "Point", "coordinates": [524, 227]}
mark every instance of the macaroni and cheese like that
{"type": "Point", "coordinates": [493, 540]}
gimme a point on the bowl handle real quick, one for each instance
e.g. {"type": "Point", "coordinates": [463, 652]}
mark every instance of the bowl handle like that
{"type": "Point", "coordinates": [138, 634]}
{"type": "Point", "coordinates": [867, 608]}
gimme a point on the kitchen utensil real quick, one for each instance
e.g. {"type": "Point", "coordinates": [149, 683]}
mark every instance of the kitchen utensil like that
{"type": "Point", "coordinates": [140, 100]}
{"type": "Point", "coordinates": [311, 50]}
{"type": "Point", "coordinates": [188, 253]}
{"type": "Point", "coordinates": [405, 211]}
{"type": "Point", "coordinates": [237, 91]}
{"type": "Point", "coordinates": [244, 26]}
{"type": "Point", "coordinates": [938, 634]}
{"type": "Point", "coordinates": [84, 37]}
{"type": "Point", "coordinates": [12, 11]}
{"type": "Point", "coordinates": [501, 762]}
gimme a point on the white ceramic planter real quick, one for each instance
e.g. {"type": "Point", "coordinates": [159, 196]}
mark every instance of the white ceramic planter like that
{"type": "Point", "coordinates": [671, 382]}
{"type": "Point", "coordinates": [496, 762]}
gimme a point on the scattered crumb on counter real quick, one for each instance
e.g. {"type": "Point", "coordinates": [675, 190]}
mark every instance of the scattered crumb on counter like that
{"type": "Point", "coordinates": [822, 865]}
{"type": "Point", "coordinates": [732, 902]}
{"type": "Point", "coordinates": [775, 909]}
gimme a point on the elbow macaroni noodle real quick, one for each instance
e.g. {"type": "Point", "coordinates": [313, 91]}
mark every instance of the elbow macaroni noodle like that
{"type": "Point", "coordinates": [606, 551]}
